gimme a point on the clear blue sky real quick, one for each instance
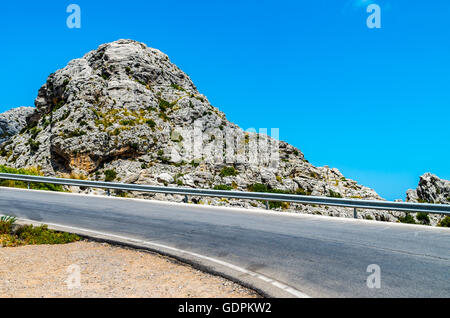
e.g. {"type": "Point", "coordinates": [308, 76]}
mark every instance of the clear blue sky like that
{"type": "Point", "coordinates": [374, 103]}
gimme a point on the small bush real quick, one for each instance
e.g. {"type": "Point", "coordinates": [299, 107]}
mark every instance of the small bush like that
{"type": "Point", "coordinates": [110, 175]}
{"type": "Point", "coordinates": [151, 123]}
{"type": "Point", "coordinates": [333, 194]}
{"type": "Point", "coordinates": [6, 224]}
{"type": "Point", "coordinates": [127, 122]}
{"type": "Point", "coordinates": [301, 191]}
{"type": "Point", "coordinates": [24, 185]}
{"type": "Point", "coordinates": [223, 187]}
{"type": "Point", "coordinates": [76, 133]}
{"type": "Point", "coordinates": [423, 218]}
{"type": "Point", "coordinates": [194, 163]}
{"type": "Point", "coordinates": [258, 187]}
{"type": "Point", "coordinates": [408, 218]}
{"type": "Point", "coordinates": [175, 86]}
{"type": "Point", "coordinates": [34, 145]}
{"type": "Point", "coordinates": [228, 171]}
{"type": "Point", "coordinates": [30, 235]}
{"type": "Point", "coordinates": [42, 235]}
{"type": "Point", "coordinates": [163, 105]}
{"type": "Point", "coordinates": [445, 222]}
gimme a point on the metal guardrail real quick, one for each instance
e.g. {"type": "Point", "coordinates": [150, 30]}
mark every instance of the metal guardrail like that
{"type": "Point", "coordinates": [302, 199]}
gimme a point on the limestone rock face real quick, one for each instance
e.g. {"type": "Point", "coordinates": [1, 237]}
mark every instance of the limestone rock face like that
{"type": "Point", "coordinates": [126, 108]}
{"type": "Point", "coordinates": [13, 121]}
{"type": "Point", "coordinates": [431, 189]}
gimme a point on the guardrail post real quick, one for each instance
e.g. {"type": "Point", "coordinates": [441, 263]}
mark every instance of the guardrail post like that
{"type": "Point", "coordinates": [355, 213]}
{"type": "Point", "coordinates": [185, 200]}
{"type": "Point", "coordinates": [108, 193]}
{"type": "Point", "coordinates": [267, 205]}
{"type": "Point", "coordinates": [28, 185]}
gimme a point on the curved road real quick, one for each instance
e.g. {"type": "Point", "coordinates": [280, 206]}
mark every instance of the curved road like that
{"type": "Point", "coordinates": [319, 256]}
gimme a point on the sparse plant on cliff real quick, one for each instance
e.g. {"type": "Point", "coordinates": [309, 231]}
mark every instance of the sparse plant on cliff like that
{"type": "Point", "coordinates": [151, 123]}
{"type": "Point", "coordinates": [408, 218]}
{"type": "Point", "coordinates": [445, 222]}
{"type": "Point", "coordinates": [423, 218]}
{"type": "Point", "coordinates": [223, 187]}
{"type": "Point", "coordinates": [34, 145]}
{"type": "Point", "coordinates": [333, 194]}
{"type": "Point", "coordinates": [110, 175]}
{"type": "Point", "coordinates": [75, 133]}
{"type": "Point", "coordinates": [228, 171]}
{"type": "Point", "coordinates": [175, 86]}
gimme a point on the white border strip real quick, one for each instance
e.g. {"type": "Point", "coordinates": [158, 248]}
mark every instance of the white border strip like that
{"type": "Point", "coordinates": [294, 292]}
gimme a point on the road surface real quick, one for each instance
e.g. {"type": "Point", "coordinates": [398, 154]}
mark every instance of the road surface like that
{"type": "Point", "coordinates": [319, 256]}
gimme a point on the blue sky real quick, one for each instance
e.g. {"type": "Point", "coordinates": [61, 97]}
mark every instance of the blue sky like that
{"type": "Point", "coordinates": [374, 103]}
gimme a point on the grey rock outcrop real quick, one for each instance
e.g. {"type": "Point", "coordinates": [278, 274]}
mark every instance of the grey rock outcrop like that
{"type": "Point", "coordinates": [13, 121]}
{"type": "Point", "coordinates": [126, 108]}
{"type": "Point", "coordinates": [431, 189]}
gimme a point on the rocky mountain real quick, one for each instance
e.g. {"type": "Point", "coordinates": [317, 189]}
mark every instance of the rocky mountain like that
{"type": "Point", "coordinates": [431, 189]}
{"type": "Point", "coordinates": [124, 112]}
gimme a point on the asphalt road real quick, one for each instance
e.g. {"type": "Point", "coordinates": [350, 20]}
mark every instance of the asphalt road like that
{"type": "Point", "coordinates": [320, 256]}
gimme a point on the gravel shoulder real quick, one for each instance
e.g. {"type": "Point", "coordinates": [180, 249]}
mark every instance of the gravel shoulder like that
{"type": "Point", "coordinates": [106, 272]}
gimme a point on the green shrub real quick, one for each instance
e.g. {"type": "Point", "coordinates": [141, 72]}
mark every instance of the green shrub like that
{"type": "Point", "coordinates": [34, 132]}
{"type": "Point", "coordinates": [301, 191]}
{"type": "Point", "coordinates": [175, 86]}
{"type": "Point", "coordinates": [24, 185]}
{"type": "Point", "coordinates": [76, 133]}
{"type": "Point", "coordinates": [445, 222]}
{"type": "Point", "coordinates": [151, 123]}
{"type": "Point", "coordinates": [163, 105]}
{"type": "Point", "coordinates": [223, 187]}
{"type": "Point", "coordinates": [408, 218]}
{"type": "Point", "coordinates": [34, 145]}
{"type": "Point", "coordinates": [258, 187]}
{"type": "Point", "coordinates": [110, 175]}
{"type": "Point", "coordinates": [423, 218]}
{"type": "Point", "coordinates": [42, 235]}
{"type": "Point", "coordinates": [27, 234]}
{"type": "Point", "coordinates": [194, 163]}
{"type": "Point", "coordinates": [333, 194]}
{"type": "Point", "coordinates": [163, 116]}
{"type": "Point", "coordinates": [6, 224]}
{"type": "Point", "coordinates": [127, 122]}
{"type": "Point", "coordinates": [228, 171]}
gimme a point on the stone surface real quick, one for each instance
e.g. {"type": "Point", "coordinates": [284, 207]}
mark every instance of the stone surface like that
{"type": "Point", "coordinates": [13, 121]}
{"type": "Point", "coordinates": [431, 189]}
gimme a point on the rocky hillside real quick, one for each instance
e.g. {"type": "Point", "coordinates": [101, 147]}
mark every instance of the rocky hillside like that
{"type": "Point", "coordinates": [124, 112]}
{"type": "Point", "coordinates": [431, 189]}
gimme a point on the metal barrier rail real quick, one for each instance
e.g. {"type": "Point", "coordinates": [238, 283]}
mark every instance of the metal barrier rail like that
{"type": "Point", "coordinates": [303, 199]}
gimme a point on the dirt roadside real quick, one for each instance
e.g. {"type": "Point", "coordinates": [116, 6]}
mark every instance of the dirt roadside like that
{"type": "Point", "coordinates": [105, 271]}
